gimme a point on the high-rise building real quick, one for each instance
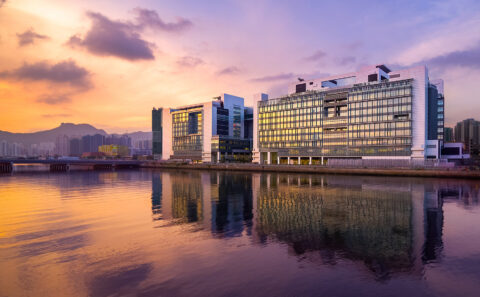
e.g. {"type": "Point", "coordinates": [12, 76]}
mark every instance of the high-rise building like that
{"type": "Point", "coordinates": [62, 145]}
{"type": "Point", "coordinates": [119, 140]}
{"type": "Point", "coordinates": [157, 133]}
{"type": "Point", "coordinates": [90, 143]}
{"type": "Point", "coordinates": [374, 113]}
{"type": "Point", "coordinates": [448, 134]}
{"type": "Point", "coordinates": [16, 149]}
{"type": "Point", "coordinates": [468, 133]}
{"type": "Point", "coordinates": [436, 109]}
{"type": "Point", "coordinates": [213, 131]}
{"type": "Point", "coordinates": [3, 148]}
{"type": "Point", "coordinates": [75, 147]}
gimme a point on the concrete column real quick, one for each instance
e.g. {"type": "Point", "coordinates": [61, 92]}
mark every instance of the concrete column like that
{"type": "Point", "coordinates": [288, 160]}
{"type": "Point", "coordinates": [218, 157]}
{"type": "Point", "coordinates": [269, 158]}
{"type": "Point", "coordinates": [278, 160]}
{"type": "Point", "coordinates": [310, 161]}
{"type": "Point", "coordinates": [299, 159]}
{"type": "Point", "coordinates": [321, 161]}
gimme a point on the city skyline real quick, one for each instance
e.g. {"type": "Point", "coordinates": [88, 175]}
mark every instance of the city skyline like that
{"type": "Point", "coordinates": [108, 64]}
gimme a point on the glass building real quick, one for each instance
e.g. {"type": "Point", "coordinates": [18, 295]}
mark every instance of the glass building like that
{"type": "Point", "coordinates": [436, 110]}
{"type": "Point", "coordinates": [215, 131]}
{"type": "Point", "coordinates": [157, 133]}
{"type": "Point", "coordinates": [374, 113]}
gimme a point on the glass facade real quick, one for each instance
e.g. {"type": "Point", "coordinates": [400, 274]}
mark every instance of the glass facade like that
{"type": "Point", "coordinates": [441, 117]}
{"type": "Point", "coordinates": [371, 119]}
{"type": "Point", "coordinates": [157, 131]}
{"type": "Point", "coordinates": [237, 121]}
{"type": "Point", "coordinates": [187, 132]}
{"type": "Point", "coordinates": [232, 149]}
{"type": "Point", "coordinates": [222, 121]}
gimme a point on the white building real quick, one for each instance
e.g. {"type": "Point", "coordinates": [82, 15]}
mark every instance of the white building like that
{"type": "Point", "coordinates": [212, 131]}
{"type": "Point", "coordinates": [375, 113]}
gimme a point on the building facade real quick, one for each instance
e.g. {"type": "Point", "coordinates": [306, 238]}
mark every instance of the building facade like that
{"type": "Point", "coordinates": [157, 133]}
{"type": "Point", "coordinates": [75, 147]}
{"type": "Point", "coordinates": [375, 113]}
{"type": "Point", "coordinates": [436, 109]}
{"type": "Point", "coordinates": [214, 131]}
{"type": "Point", "coordinates": [468, 133]}
{"type": "Point", "coordinates": [62, 145]}
{"type": "Point", "coordinates": [448, 134]}
{"type": "Point", "coordinates": [90, 143]}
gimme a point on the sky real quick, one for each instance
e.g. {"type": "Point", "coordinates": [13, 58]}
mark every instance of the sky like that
{"type": "Point", "coordinates": [108, 63]}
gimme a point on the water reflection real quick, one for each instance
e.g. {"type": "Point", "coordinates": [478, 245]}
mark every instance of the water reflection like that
{"type": "Point", "coordinates": [184, 233]}
{"type": "Point", "coordinates": [223, 202]}
{"type": "Point", "coordinates": [390, 225]}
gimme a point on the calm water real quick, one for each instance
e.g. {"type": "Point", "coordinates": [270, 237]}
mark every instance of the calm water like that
{"type": "Point", "coordinates": [193, 233]}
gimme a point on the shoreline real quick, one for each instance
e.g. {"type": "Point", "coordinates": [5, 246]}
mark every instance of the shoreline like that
{"type": "Point", "coordinates": [316, 169]}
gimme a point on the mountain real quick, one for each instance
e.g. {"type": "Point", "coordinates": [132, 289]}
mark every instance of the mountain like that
{"type": "Point", "coordinates": [68, 129]}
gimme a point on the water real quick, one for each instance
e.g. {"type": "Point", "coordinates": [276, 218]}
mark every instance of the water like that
{"type": "Point", "coordinates": [199, 233]}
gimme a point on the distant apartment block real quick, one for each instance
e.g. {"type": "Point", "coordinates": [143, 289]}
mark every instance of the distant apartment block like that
{"type": "Point", "coordinates": [468, 133]}
{"type": "Point", "coordinates": [448, 134]}
{"type": "Point", "coordinates": [90, 143]}
{"type": "Point", "coordinates": [375, 113]}
{"type": "Point", "coordinates": [78, 146]}
{"type": "Point", "coordinates": [62, 145]}
{"type": "Point", "coordinates": [215, 131]}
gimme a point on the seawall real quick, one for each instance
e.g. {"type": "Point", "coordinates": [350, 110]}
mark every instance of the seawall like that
{"type": "Point", "coordinates": [314, 169]}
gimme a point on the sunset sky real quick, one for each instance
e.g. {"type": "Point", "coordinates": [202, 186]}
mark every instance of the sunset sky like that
{"type": "Point", "coordinates": [107, 63]}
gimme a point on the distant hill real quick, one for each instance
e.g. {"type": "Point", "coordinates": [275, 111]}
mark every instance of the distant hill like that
{"type": "Point", "coordinates": [68, 129]}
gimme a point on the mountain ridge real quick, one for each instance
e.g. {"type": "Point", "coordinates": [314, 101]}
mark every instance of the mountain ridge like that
{"type": "Point", "coordinates": [69, 129]}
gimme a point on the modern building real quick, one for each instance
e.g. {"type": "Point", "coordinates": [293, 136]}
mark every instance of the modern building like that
{"type": "Point", "coordinates": [157, 133]}
{"type": "Point", "coordinates": [453, 151]}
{"type": "Point", "coordinates": [214, 131]}
{"type": "Point", "coordinates": [468, 133]}
{"type": "Point", "coordinates": [436, 108]}
{"type": "Point", "coordinates": [375, 113]}
{"type": "Point", "coordinates": [114, 150]}
{"type": "Point", "coordinates": [448, 134]}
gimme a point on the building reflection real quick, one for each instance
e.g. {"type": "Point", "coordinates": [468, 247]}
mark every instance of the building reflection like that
{"type": "Point", "coordinates": [232, 204]}
{"type": "Point", "coordinates": [220, 202]}
{"type": "Point", "coordinates": [342, 219]}
{"type": "Point", "coordinates": [391, 225]}
{"type": "Point", "coordinates": [433, 223]}
{"type": "Point", "coordinates": [156, 196]}
{"type": "Point", "coordinates": [466, 194]}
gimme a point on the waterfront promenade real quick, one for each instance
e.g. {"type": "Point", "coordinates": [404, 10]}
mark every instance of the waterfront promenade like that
{"type": "Point", "coordinates": [456, 172]}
